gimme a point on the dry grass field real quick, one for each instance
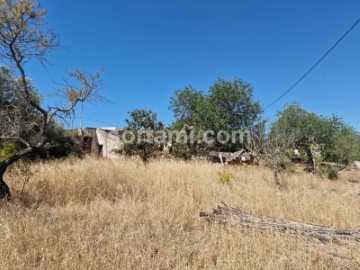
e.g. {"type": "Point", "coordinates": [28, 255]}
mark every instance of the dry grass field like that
{"type": "Point", "coordinates": [103, 214]}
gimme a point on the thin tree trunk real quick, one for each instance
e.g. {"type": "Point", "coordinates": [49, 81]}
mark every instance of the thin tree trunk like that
{"type": "Point", "coordinates": [4, 188]}
{"type": "Point", "coordinates": [145, 156]}
{"type": "Point", "coordinates": [276, 173]}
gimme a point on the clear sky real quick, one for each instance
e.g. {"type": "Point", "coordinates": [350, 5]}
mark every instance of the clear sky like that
{"type": "Point", "coordinates": [151, 48]}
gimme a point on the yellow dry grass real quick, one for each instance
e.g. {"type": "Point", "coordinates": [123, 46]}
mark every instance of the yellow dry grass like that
{"type": "Point", "coordinates": [103, 214]}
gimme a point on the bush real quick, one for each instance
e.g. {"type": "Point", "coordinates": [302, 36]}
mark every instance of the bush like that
{"type": "Point", "coordinates": [7, 150]}
{"type": "Point", "coordinates": [329, 172]}
{"type": "Point", "coordinates": [225, 177]}
{"type": "Point", "coordinates": [62, 144]}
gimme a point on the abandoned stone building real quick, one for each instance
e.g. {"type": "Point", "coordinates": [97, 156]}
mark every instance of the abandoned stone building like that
{"type": "Point", "coordinates": [100, 142]}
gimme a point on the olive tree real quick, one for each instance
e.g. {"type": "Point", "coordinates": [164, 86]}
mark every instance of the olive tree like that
{"type": "Point", "coordinates": [273, 147]}
{"type": "Point", "coordinates": [24, 120]}
{"type": "Point", "coordinates": [147, 135]}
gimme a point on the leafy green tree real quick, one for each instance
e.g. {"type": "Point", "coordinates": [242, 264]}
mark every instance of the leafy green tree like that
{"type": "Point", "coordinates": [144, 135]}
{"type": "Point", "coordinates": [340, 142]}
{"type": "Point", "coordinates": [233, 105]}
{"type": "Point", "coordinates": [189, 106]}
{"type": "Point", "coordinates": [24, 120]}
{"type": "Point", "coordinates": [61, 142]}
{"type": "Point", "coordinates": [312, 126]}
{"type": "Point", "coordinates": [228, 106]}
{"type": "Point", "coordinates": [346, 146]}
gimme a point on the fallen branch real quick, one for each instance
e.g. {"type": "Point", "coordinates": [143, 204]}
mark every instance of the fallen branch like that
{"type": "Point", "coordinates": [324, 234]}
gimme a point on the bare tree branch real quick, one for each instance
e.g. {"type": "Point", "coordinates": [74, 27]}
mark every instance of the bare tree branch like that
{"type": "Point", "coordinates": [23, 118]}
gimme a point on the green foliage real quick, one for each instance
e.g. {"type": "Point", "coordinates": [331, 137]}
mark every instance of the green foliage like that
{"type": "Point", "coordinates": [145, 128]}
{"type": "Point", "coordinates": [225, 178]}
{"type": "Point", "coordinates": [328, 171]}
{"type": "Point", "coordinates": [310, 125]}
{"type": "Point", "coordinates": [143, 120]}
{"type": "Point", "coordinates": [12, 92]}
{"type": "Point", "coordinates": [228, 106]}
{"type": "Point", "coordinates": [188, 106]}
{"type": "Point", "coordinates": [233, 104]}
{"type": "Point", "coordinates": [18, 119]}
{"type": "Point", "coordinates": [24, 121]}
{"type": "Point", "coordinates": [19, 112]}
{"type": "Point", "coordinates": [183, 151]}
{"type": "Point", "coordinates": [7, 150]}
{"type": "Point", "coordinates": [341, 142]}
{"type": "Point", "coordinates": [346, 146]}
{"type": "Point", "coordinates": [189, 147]}
{"type": "Point", "coordinates": [62, 144]}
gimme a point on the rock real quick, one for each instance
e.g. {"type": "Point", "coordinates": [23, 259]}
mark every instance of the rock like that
{"type": "Point", "coordinates": [356, 165]}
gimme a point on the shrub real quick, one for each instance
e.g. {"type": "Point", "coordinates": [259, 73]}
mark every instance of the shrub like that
{"type": "Point", "coordinates": [8, 149]}
{"type": "Point", "coordinates": [329, 172]}
{"type": "Point", "coordinates": [225, 177]}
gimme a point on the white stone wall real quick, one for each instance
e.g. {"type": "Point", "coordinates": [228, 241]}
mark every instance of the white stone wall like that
{"type": "Point", "coordinates": [109, 141]}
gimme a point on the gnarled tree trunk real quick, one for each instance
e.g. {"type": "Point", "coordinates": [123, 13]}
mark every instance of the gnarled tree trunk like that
{"type": "Point", "coordinates": [4, 188]}
{"type": "Point", "coordinates": [4, 164]}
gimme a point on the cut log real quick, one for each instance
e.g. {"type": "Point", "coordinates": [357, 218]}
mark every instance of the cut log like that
{"type": "Point", "coordinates": [324, 234]}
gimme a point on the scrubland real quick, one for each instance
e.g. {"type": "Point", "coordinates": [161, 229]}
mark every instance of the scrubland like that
{"type": "Point", "coordinates": [121, 214]}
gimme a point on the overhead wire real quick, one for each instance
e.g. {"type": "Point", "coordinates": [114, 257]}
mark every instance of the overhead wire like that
{"type": "Point", "coordinates": [315, 65]}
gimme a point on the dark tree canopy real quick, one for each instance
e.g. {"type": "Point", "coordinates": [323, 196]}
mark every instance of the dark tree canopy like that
{"type": "Point", "coordinates": [143, 134]}
{"type": "Point", "coordinates": [228, 106]}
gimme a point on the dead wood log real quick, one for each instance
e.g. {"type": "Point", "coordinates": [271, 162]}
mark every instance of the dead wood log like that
{"type": "Point", "coordinates": [226, 157]}
{"type": "Point", "coordinates": [324, 234]}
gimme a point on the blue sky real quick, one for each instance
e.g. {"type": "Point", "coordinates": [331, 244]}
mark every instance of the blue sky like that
{"type": "Point", "coordinates": [151, 48]}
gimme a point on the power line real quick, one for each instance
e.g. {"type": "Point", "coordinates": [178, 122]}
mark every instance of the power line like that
{"type": "Point", "coordinates": [97, 121]}
{"type": "Point", "coordinates": [315, 65]}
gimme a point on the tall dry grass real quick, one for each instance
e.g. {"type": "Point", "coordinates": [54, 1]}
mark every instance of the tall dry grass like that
{"type": "Point", "coordinates": [103, 214]}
